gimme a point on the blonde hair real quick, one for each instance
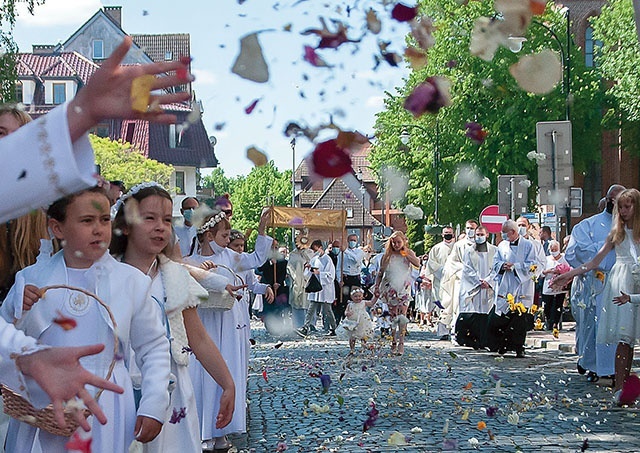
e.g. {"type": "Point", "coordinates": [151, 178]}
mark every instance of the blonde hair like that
{"type": "Point", "coordinates": [617, 234]}
{"type": "Point", "coordinates": [388, 249]}
{"type": "Point", "coordinates": [19, 114]}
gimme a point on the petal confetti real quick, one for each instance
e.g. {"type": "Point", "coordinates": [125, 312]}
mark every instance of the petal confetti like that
{"type": "Point", "coordinates": [256, 156]}
{"type": "Point", "coordinates": [251, 107]}
{"type": "Point", "coordinates": [65, 322]}
{"type": "Point", "coordinates": [313, 58]}
{"type": "Point", "coordinates": [404, 13]}
{"type": "Point", "coordinates": [78, 443]}
{"type": "Point", "coordinates": [328, 160]}
{"type": "Point", "coordinates": [250, 63]}
{"type": "Point", "coordinates": [429, 96]}
{"type": "Point", "coordinates": [538, 73]}
{"type": "Point", "coordinates": [177, 415]}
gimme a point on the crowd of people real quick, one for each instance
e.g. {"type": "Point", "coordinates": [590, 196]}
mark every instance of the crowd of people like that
{"type": "Point", "coordinates": [173, 302]}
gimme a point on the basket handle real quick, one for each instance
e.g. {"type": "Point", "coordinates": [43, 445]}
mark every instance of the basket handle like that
{"type": "Point", "coordinates": [116, 345]}
{"type": "Point", "coordinates": [235, 276]}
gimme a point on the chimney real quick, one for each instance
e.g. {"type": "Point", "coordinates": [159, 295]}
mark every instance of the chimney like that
{"type": "Point", "coordinates": [43, 49]}
{"type": "Point", "coordinates": [115, 13]}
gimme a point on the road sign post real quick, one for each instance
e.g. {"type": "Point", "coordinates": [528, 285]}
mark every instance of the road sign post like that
{"type": "Point", "coordinates": [512, 194]}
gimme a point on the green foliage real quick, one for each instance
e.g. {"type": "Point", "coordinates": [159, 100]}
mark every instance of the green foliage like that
{"type": "Point", "coordinates": [219, 182]}
{"type": "Point", "coordinates": [619, 60]}
{"type": "Point", "coordinates": [484, 92]}
{"type": "Point", "coordinates": [262, 187]}
{"type": "Point", "coordinates": [119, 161]}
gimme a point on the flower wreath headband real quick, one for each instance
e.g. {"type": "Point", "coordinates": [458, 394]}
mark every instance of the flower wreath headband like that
{"type": "Point", "coordinates": [212, 221]}
{"type": "Point", "coordinates": [134, 190]}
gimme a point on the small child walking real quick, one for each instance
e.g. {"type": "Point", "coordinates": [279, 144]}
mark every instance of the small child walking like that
{"type": "Point", "coordinates": [357, 321]}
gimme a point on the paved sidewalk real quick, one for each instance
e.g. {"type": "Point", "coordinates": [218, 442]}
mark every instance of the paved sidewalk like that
{"type": "Point", "coordinates": [437, 397]}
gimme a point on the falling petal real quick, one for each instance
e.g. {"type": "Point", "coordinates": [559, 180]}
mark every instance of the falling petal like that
{"type": "Point", "coordinates": [486, 37]}
{"type": "Point", "coordinates": [250, 63]}
{"type": "Point", "coordinates": [475, 132]}
{"type": "Point", "coordinates": [328, 160]}
{"type": "Point", "coordinates": [538, 73]}
{"type": "Point", "coordinates": [537, 7]}
{"type": "Point", "coordinates": [79, 443]}
{"type": "Point", "coordinates": [177, 415]}
{"type": "Point", "coordinates": [422, 32]}
{"type": "Point", "coordinates": [329, 39]}
{"type": "Point", "coordinates": [404, 13]}
{"type": "Point", "coordinates": [256, 156]}
{"type": "Point", "coordinates": [516, 16]}
{"type": "Point", "coordinates": [373, 23]}
{"type": "Point", "coordinates": [417, 57]}
{"type": "Point", "coordinates": [65, 322]}
{"type": "Point", "coordinates": [481, 425]}
{"type": "Point", "coordinates": [413, 212]}
{"type": "Point", "coordinates": [429, 96]}
{"type": "Point", "coordinates": [248, 109]}
{"type": "Point", "coordinates": [141, 92]}
{"type": "Point", "coordinates": [264, 376]}
{"type": "Point", "coordinates": [313, 58]}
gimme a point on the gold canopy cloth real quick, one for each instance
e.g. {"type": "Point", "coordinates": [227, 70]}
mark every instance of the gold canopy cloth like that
{"type": "Point", "coordinates": [317, 219]}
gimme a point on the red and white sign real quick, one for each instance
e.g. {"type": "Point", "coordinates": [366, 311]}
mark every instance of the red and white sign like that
{"type": "Point", "coordinates": [491, 219]}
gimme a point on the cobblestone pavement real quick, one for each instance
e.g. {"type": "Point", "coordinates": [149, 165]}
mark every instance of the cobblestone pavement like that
{"type": "Point", "coordinates": [436, 397]}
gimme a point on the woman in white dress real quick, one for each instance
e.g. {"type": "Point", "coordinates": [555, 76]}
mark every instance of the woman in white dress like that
{"type": "Point", "coordinates": [228, 329]}
{"type": "Point", "coordinates": [142, 245]}
{"type": "Point", "coordinates": [619, 323]}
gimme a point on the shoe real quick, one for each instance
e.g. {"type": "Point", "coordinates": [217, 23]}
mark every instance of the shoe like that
{"type": "Point", "coordinates": [302, 332]}
{"type": "Point", "coordinates": [580, 369]}
{"type": "Point", "coordinates": [222, 443]}
{"type": "Point", "coordinates": [312, 329]}
{"type": "Point", "coordinates": [520, 354]}
{"type": "Point", "coordinates": [592, 377]}
{"type": "Point", "coordinates": [446, 337]}
{"type": "Point", "coordinates": [208, 445]}
{"type": "Point", "coordinates": [331, 333]}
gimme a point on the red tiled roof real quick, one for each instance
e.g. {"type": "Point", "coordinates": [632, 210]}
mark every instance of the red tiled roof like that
{"type": "Point", "coordinates": [57, 65]}
{"type": "Point", "coordinates": [339, 196]}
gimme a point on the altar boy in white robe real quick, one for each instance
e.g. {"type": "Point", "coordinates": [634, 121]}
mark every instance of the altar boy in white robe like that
{"type": "Point", "coordinates": [476, 291]}
{"type": "Point", "coordinates": [517, 266]}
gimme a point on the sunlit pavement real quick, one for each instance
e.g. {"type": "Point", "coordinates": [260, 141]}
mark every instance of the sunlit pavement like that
{"type": "Point", "coordinates": [437, 397]}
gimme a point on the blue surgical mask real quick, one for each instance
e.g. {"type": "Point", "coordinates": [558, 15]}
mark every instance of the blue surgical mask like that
{"type": "Point", "coordinates": [353, 244]}
{"type": "Point", "coordinates": [335, 250]}
{"type": "Point", "coordinates": [505, 237]}
{"type": "Point", "coordinates": [481, 239]}
{"type": "Point", "coordinates": [471, 232]}
{"type": "Point", "coordinates": [188, 215]}
{"type": "Point", "coordinates": [215, 247]}
{"type": "Point", "coordinates": [522, 230]}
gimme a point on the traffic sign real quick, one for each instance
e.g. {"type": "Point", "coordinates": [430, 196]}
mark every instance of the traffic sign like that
{"type": "Point", "coordinates": [491, 219]}
{"type": "Point", "coordinates": [555, 171]}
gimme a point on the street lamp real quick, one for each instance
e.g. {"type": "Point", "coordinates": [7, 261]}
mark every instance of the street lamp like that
{"type": "Point", "coordinates": [515, 45]}
{"type": "Point", "coordinates": [360, 177]}
{"type": "Point", "coordinates": [404, 138]}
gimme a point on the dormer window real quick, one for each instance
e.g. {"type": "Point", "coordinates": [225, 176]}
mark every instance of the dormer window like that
{"type": "Point", "coordinates": [59, 93]}
{"type": "Point", "coordinates": [98, 49]}
{"type": "Point", "coordinates": [168, 55]}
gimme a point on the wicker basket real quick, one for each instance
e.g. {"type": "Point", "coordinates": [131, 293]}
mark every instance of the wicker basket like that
{"type": "Point", "coordinates": [222, 301]}
{"type": "Point", "coordinates": [19, 408]}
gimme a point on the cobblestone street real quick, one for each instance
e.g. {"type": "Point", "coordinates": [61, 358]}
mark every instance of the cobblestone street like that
{"type": "Point", "coordinates": [437, 397]}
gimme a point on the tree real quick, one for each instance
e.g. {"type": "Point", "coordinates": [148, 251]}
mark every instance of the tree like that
{"type": "Point", "coordinates": [486, 93]}
{"type": "Point", "coordinates": [619, 61]}
{"type": "Point", "coordinates": [118, 160]}
{"type": "Point", "coordinates": [8, 48]}
{"type": "Point", "coordinates": [262, 187]}
{"type": "Point", "coordinates": [219, 182]}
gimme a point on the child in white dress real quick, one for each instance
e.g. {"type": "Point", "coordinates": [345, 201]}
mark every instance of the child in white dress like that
{"type": "Point", "coordinates": [142, 244]}
{"type": "Point", "coordinates": [357, 321]}
{"type": "Point", "coordinates": [619, 324]}
{"type": "Point", "coordinates": [83, 224]}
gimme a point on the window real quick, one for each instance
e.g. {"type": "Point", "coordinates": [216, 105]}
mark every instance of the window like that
{"type": "Point", "coordinates": [350, 213]}
{"type": "Point", "coordinates": [168, 55]}
{"type": "Point", "coordinates": [591, 49]}
{"type": "Point", "coordinates": [176, 135]}
{"type": "Point", "coordinates": [98, 49]}
{"type": "Point", "coordinates": [101, 130]}
{"type": "Point", "coordinates": [59, 93]}
{"type": "Point", "coordinates": [180, 183]}
{"type": "Point", "coordinates": [19, 92]}
{"type": "Point", "coordinates": [131, 129]}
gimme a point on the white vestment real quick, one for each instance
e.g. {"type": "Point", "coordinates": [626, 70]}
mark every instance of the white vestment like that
{"type": "Point", "coordinates": [477, 266]}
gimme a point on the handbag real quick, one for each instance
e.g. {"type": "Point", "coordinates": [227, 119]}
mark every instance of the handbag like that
{"type": "Point", "coordinates": [314, 285]}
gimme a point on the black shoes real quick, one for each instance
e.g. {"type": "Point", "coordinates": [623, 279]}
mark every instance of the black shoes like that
{"type": "Point", "coordinates": [520, 354]}
{"type": "Point", "coordinates": [331, 333]}
{"type": "Point", "coordinates": [581, 370]}
{"type": "Point", "coordinates": [592, 377]}
{"type": "Point", "coordinates": [302, 332]}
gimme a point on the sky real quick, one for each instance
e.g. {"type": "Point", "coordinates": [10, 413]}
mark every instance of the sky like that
{"type": "Point", "coordinates": [351, 91]}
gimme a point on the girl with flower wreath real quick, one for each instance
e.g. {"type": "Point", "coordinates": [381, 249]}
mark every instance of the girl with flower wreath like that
{"type": "Point", "coordinates": [228, 329]}
{"type": "Point", "coordinates": [619, 323]}
{"type": "Point", "coordinates": [143, 233]}
{"type": "Point", "coordinates": [393, 285]}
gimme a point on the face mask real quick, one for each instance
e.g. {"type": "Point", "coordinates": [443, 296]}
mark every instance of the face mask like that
{"type": "Point", "coordinates": [335, 250]}
{"type": "Point", "coordinates": [556, 253]}
{"type": "Point", "coordinates": [522, 230]}
{"type": "Point", "coordinates": [352, 244]}
{"type": "Point", "coordinates": [447, 237]}
{"type": "Point", "coordinates": [505, 237]}
{"type": "Point", "coordinates": [471, 232]}
{"type": "Point", "coordinates": [481, 239]}
{"type": "Point", "coordinates": [188, 215]}
{"type": "Point", "coordinates": [609, 207]}
{"type": "Point", "coordinates": [215, 247]}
